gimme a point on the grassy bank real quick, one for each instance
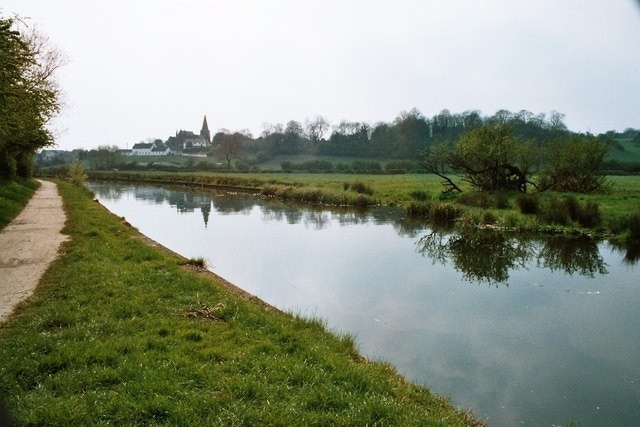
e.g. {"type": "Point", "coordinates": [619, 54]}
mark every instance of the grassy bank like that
{"type": "Point", "coordinates": [615, 214]}
{"type": "Point", "coordinates": [14, 195]}
{"type": "Point", "coordinates": [123, 333]}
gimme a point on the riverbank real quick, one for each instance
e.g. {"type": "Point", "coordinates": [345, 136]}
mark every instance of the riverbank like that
{"type": "Point", "coordinates": [614, 215]}
{"type": "Point", "coordinates": [122, 332]}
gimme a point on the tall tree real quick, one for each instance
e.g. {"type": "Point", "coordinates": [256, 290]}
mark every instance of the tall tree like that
{"type": "Point", "coordinates": [411, 132]}
{"type": "Point", "coordinates": [316, 128]}
{"type": "Point", "coordinates": [29, 95]}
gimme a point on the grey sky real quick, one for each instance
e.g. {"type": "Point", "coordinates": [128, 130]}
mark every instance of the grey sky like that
{"type": "Point", "coordinates": [145, 68]}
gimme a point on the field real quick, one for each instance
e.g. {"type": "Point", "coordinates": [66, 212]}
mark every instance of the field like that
{"type": "Point", "coordinates": [120, 332]}
{"type": "Point", "coordinates": [625, 151]}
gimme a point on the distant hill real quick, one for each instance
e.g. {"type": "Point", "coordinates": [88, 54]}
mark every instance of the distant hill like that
{"type": "Point", "coordinates": [624, 156]}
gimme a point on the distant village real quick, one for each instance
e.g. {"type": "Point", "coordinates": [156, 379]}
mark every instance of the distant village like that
{"type": "Point", "coordinates": [183, 140]}
{"type": "Point", "coordinates": [183, 143]}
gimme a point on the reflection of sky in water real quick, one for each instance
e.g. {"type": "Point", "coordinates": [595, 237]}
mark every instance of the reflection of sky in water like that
{"type": "Point", "coordinates": [548, 348]}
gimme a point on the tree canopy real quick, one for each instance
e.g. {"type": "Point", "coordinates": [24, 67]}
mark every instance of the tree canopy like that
{"type": "Point", "coordinates": [490, 157]}
{"type": "Point", "coordinates": [29, 96]}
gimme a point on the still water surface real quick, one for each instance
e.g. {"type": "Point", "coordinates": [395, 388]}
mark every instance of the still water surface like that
{"type": "Point", "coordinates": [521, 331]}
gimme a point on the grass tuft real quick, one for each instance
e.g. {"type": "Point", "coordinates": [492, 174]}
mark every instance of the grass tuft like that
{"type": "Point", "coordinates": [198, 262]}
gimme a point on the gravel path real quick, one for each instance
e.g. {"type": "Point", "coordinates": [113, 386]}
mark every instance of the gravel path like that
{"type": "Point", "coordinates": [28, 245]}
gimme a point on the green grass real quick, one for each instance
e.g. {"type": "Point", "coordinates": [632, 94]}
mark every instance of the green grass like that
{"type": "Point", "coordinates": [119, 332]}
{"type": "Point", "coordinates": [14, 196]}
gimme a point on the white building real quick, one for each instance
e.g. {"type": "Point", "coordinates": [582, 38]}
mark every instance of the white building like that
{"type": "Point", "coordinates": [156, 148]}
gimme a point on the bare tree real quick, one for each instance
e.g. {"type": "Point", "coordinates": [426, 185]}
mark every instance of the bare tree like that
{"type": "Point", "coordinates": [230, 146]}
{"type": "Point", "coordinates": [316, 129]}
{"type": "Point", "coordinates": [437, 160]}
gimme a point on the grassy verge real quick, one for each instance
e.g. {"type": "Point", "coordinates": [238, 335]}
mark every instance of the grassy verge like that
{"type": "Point", "coordinates": [14, 196]}
{"type": "Point", "coordinates": [120, 332]}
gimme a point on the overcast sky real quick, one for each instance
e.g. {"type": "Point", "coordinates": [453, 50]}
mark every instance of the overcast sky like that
{"type": "Point", "coordinates": [146, 68]}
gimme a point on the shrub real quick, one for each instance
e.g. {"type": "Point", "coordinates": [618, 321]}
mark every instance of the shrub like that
{"type": "Point", "coordinates": [629, 224]}
{"type": "Point", "coordinates": [443, 212]}
{"type": "Point", "coordinates": [400, 166]}
{"type": "Point", "coordinates": [510, 220]}
{"type": "Point", "coordinates": [569, 209]}
{"type": "Point", "coordinates": [489, 217]}
{"type": "Point", "coordinates": [556, 212]}
{"type": "Point", "coordinates": [501, 200]}
{"type": "Point", "coordinates": [572, 205]}
{"type": "Point", "coordinates": [480, 199]}
{"type": "Point", "coordinates": [469, 221]}
{"type": "Point", "coordinates": [361, 188]}
{"type": "Point", "coordinates": [76, 174]}
{"type": "Point", "coordinates": [242, 166]}
{"type": "Point", "coordinates": [528, 203]}
{"type": "Point", "coordinates": [419, 195]}
{"type": "Point", "coordinates": [589, 215]}
{"type": "Point", "coordinates": [362, 201]}
{"type": "Point", "coordinates": [418, 210]}
{"type": "Point", "coordinates": [286, 166]}
{"type": "Point", "coordinates": [361, 166]}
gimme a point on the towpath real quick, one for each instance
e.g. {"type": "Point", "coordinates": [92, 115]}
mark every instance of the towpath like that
{"type": "Point", "coordinates": [28, 244]}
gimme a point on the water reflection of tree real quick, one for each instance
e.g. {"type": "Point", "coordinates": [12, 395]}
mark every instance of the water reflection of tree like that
{"type": "Point", "coordinates": [572, 255]}
{"type": "Point", "coordinates": [488, 257]}
{"type": "Point", "coordinates": [480, 257]}
{"type": "Point", "coordinates": [632, 254]}
{"type": "Point", "coordinates": [631, 251]}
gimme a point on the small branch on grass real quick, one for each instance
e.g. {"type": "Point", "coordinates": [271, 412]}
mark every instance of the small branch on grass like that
{"type": "Point", "coordinates": [198, 262]}
{"type": "Point", "coordinates": [202, 311]}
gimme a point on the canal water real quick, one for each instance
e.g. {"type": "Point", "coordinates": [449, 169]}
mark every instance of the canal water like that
{"type": "Point", "coordinates": [522, 331]}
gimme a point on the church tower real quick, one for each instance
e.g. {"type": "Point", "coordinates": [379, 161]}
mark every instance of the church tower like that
{"type": "Point", "coordinates": [204, 132]}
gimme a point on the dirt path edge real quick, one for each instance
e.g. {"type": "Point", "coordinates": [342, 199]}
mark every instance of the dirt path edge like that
{"type": "Point", "coordinates": [28, 244]}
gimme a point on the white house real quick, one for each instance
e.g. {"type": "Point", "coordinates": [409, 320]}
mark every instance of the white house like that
{"type": "Point", "coordinates": [195, 142]}
{"type": "Point", "coordinates": [156, 148]}
{"type": "Point", "coordinates": [141, 149]}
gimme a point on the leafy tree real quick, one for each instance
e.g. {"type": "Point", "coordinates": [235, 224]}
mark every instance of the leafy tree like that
{"type": "Point", "coordinates": [76, 174]}
{"type": "Point", "coordinates": [491, 158]}
{"type": "Point", "coordinates": [29, 96]}
{"type": "Point", "coordinates": [105, 157]}
{"type": "Point", "coordinates": [411, 134]}
{"type": "Point", "coordinates": [574, 163]}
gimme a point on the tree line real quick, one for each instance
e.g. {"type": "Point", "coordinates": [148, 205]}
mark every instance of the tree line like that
{"type": "Point", "coordinates": [406, 136]}
{"type": "Point", "coordinates": [29, 96]}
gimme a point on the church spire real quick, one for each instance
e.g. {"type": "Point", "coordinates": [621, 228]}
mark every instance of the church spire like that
{"type": "Point", "coordinates": [204, 132]}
